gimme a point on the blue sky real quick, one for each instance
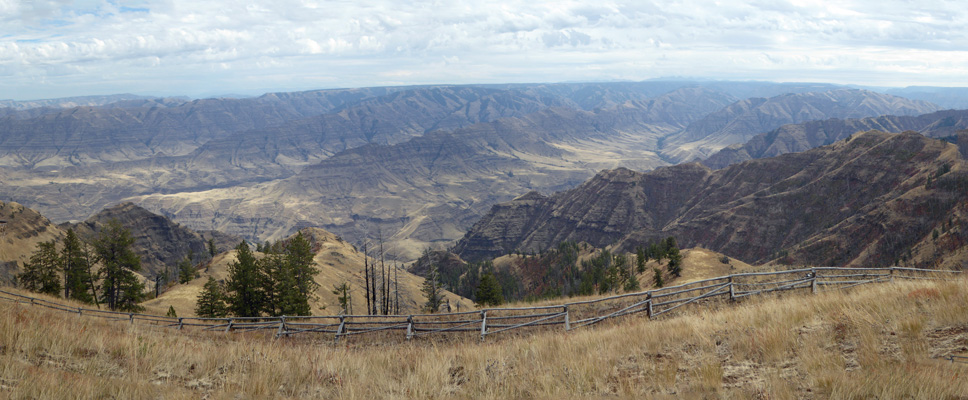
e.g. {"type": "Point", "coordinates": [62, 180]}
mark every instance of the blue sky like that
{"type": "Point", "coordinates": [54, 48]}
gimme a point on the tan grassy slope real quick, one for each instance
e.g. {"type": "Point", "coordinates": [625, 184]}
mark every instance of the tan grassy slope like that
{"type": "Point", "coordinates": [21, 229]}
{"type": "Point", "coordinates": [337, 261]}
{"type": "Point", "coordinates": [878, 341]}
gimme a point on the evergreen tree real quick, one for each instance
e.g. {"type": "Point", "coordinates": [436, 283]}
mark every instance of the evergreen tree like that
{"type": "Point", "coordinates": [245, 296]}
{"type": "Point", "coordinates": [268, 268]}
{"type": "Point", "coordinates": [342, 292]}
{"type": "Point", "coordinates": [488, 291]}
{"type": "Point", "coordinates": [186, 271]}
{"type": "Point", "coordinates": [120, 287]}
{"type": "Point", "coordinates": [77, 272]}
{"type": "Point", "coordinates": [675, 263]}
{"type": "Point", "coordinates": [212, 250]}
{"type": "Point", "coordinates": [299, 257]}
{"type": "Point", "coordinates": [40, 273]}
{"type": "Point", "coordinates": [171, 312]}
{"type": "Point", "coordinates": [211, 301]}
{"type": "Point", "coordinates": [640, 259]}
{"type": "Point", "coordinates": [432, 290]}
{"type": "Point", "coordinates": [287, 298]}
{"type": "Point", "coordinates": [632, 284]}
{"type": "Point", "coordinates": [657, 278]}
{"type": "Point", "coordinates": [288, 278]}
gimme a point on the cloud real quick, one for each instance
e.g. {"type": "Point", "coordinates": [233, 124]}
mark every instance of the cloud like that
{"type": "Point", "coordinates": [190, 47]}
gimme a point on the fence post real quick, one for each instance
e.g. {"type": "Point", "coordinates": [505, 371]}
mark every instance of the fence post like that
{"type": "Point", "coordinates": [813, 281]}
{"type": "Point", "coordinates": [131, 317]}
{"type": "Point", "coordinates": [180, 323]}
{"type": "Point", "coordinates": [78, 311]}
{"type": "Point", "coordinates": [282, 326]}
{"type": "Point", "coordinates": [567, 319]}
{"type": "Point", "coordinates": [409, 327]}
{"type": "Point", "coordinates": [229, 326]}
{"type": "Point", "coordinates": [483, 324]}
{"type": "Point", "coordinates": [339, 330]}
{"type": "Point", "coordinates": [732, 292]}
{"type": "Point", "coordinates": [892, 274]}
{"type": "Point", "coordinates": [648, 299]}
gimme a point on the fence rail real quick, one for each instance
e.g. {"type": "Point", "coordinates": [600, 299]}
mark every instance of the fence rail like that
{"type": "Point", "coordinates": [491, 321]}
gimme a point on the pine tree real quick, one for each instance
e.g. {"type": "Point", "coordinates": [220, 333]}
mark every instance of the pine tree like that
{"type": "Point", "coordinates": [120, 287]}
{"type": "Point", "coordinates": [212, 250]}
{"type": "Point", "coordinates": [77, 271]}
{"type": "Point", "coordinates": [299, 257]}
{"type": "Point", "coordinates": [171, 312]}
{"type": "Point", "coordinates": [640, 259]}
{"type": "Point", "coordinates": [657, 278]}
{"type": "Point", "coordinates": [245, 296]}
{"type": "Point", "coordinates": [186, 271]}
{"type": "Point", "coordinates": [287, 298]}
{"type": "Point", "coordinates": [675, 258]}
{"type": "Point", "coordinates": [342, 292]}
{"type": "Point", "coordinates": [632, 284]}
{"type": "Point", "coordinates": [288, 278]}
{"type": "Point", "coordinates": [432, 290]}
{"type": "Point", "coordinates": [211, 301]}
{"type": "Point", "coordinates": [40, 273]}
{"type": "Point", "coordinates": [488, 292]}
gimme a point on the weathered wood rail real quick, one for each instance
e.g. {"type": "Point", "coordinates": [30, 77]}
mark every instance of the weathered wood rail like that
{"type": "Point", "coordinates": [490, 321]}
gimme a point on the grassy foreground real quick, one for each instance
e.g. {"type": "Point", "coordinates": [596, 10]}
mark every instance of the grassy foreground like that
{"type": "Point", "coordinates": [878, 341]}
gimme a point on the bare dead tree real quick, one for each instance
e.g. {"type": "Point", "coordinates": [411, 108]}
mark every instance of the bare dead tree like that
{"type": "Point", "coordinates": [396, 289]}
{"type": "Point", "coordinates": [384, 275]}
{"type": "Point", "coordinates": [366, 275]}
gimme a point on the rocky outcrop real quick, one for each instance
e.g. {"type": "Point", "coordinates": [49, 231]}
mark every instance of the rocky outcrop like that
{"type": "Point", "coordinates": [872, 200]}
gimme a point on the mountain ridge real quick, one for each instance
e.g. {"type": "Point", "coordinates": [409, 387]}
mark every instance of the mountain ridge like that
{"type": "Point", "coordinates": [796, 208]}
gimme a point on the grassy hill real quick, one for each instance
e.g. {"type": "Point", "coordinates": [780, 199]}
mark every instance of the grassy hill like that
{"type": "Point", "coordinates": [337, 260]}
{"type": "Point", "coordinates": [877, 341]}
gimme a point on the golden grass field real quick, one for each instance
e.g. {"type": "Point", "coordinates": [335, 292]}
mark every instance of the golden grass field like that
{"type": "Point", "coordinates": [875, 341]}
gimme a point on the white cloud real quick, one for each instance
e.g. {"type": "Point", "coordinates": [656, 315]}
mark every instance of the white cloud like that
{"type": "Point", "coordinates": [53, 48]}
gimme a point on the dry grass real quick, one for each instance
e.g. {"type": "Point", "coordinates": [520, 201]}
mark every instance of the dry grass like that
{"type": "Point", "coordinates": [873, 342]}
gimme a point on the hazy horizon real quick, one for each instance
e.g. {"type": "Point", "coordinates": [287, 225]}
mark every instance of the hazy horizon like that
{"type": "Point", "coordinates": [97, 47]}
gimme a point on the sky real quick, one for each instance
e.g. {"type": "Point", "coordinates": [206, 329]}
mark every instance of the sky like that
{"type": "Point", "coordinates": [59, 48]}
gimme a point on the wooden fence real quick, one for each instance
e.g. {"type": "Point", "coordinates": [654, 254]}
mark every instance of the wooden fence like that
{"type": "Point", "coordinates": [574, 315]}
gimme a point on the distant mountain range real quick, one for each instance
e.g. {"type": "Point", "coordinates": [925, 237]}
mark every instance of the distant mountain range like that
{"type": "Point", "coordinates": [416, 165]}
{"type": "Point", "coordinates": [804, 136]}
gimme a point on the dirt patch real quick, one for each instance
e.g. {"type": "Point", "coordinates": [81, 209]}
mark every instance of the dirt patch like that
{"type": "Point", "coordinates": [952, 340]}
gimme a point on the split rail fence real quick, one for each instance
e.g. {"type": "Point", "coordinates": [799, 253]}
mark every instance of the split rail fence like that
{"type": "Point", "coordinates": [574, 315]}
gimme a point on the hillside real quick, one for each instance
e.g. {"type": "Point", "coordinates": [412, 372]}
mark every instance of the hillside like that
{"type": "Point", "coordinates": [337, 260]}
{"type": "Point", "coordinates": [572, 270]}
{"type": "Point", "coordinates": [874, 200]}
{"type": "Point", "coordinates": [841, 344]}
{"type": "Point", "coordinates": [21, 229]}
{"type": "Point", "coordinates": [159, 242]}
